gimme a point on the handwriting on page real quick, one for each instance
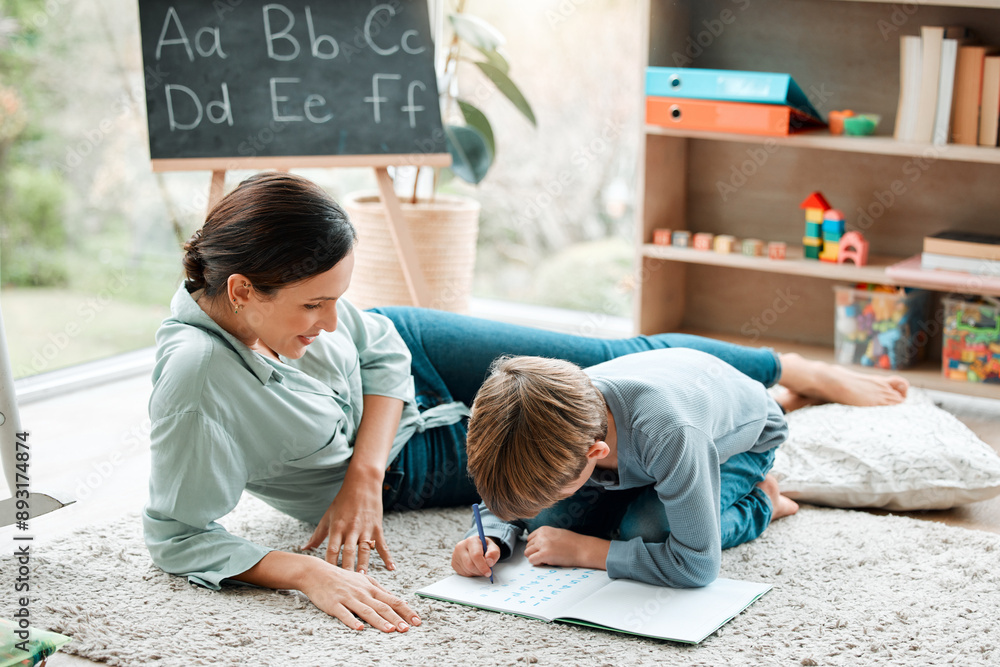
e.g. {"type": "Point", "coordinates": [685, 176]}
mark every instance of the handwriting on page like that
{"type": "Point", "coordinates": [531, 588]}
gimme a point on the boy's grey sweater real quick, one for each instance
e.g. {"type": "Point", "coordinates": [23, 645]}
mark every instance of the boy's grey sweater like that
{"type": "Point", "coordinates": [679, 414]}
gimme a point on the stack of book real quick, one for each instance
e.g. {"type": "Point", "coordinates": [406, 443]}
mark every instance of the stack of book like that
{"type": "Point", "coordinates": [762, 103]}
{"type": "Point", "coordinates": [966, 252]}
{"type": "Point", "coordinates": [949, 88]}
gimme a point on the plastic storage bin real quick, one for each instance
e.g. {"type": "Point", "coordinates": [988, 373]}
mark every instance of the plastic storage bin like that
{"type": "Point", "coordinates": [971, 343]}
{"type": "Point", "coordinates": [881, 327]}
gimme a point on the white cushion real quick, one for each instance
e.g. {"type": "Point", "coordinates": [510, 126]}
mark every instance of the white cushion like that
{"type": "Point", "coordinates": [901, 457]}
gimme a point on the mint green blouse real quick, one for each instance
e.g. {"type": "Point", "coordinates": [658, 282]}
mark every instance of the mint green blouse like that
{"type": "Point", "coordinates": [226, 419]}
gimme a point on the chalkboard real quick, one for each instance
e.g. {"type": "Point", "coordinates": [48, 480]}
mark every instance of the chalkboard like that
{"type": "Point", "coordinates": [241, 82]}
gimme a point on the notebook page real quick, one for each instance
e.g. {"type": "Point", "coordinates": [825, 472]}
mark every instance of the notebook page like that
{"type": "Point", "coordinates": [679, 614]}
{"type": "Point", "coordinates": [520, 588]}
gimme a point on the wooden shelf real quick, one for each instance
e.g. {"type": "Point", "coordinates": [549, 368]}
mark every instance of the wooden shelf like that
{"type": "Point", "coordinates": [897, 193]}
{"type": "Point", "coordinates": [796, 265]}
{"type": "Point", "coordinates": [926, 375]}
{"type": "Point", "coordinates": [974, 4]}
{"type": "Point", "coordinates": [823, 140]}
{"type": "Point", "coordinates": [793, 264]}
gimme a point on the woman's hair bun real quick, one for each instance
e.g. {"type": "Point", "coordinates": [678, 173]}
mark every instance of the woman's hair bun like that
{"type": "Point", "coordinates": [194, 267]}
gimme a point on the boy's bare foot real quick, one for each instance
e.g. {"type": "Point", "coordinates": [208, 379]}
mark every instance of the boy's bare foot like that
{"type": "Point", "coordinates": [789, 400]}
{"type": "Point", "coordinates": [836, 384]}
{"type": "Point", "coordinates": [780, 505]}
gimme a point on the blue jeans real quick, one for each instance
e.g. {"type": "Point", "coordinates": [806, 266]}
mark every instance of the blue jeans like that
{"type": "Point", "coordinates": [451, 357]}
{"type": "Point", "coordinates": [745, 510]}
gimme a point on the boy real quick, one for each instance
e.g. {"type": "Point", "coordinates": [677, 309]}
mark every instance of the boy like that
{"type": "Point", "coordinates": [647, 465]}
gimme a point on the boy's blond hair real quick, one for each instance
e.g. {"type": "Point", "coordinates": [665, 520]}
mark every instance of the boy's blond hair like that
{"type": "Point", "coordinates": [532, 423]}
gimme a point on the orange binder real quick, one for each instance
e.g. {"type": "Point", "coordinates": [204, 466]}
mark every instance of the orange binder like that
{"type": "Point", "coordinates": [738, 117]}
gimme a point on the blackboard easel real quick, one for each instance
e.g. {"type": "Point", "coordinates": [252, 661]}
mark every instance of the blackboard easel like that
{"type": "Point", "coordinates": [294, 84]}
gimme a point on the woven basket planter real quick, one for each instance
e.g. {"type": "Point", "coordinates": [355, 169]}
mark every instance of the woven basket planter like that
{"type": "Point", "coordinates": [444, 234]}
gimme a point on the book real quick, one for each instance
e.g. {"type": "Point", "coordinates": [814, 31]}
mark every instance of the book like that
{"type": "Point", "coordinates": [589, 597]}
{"type": "Point", "coordinates": [909, 272]}
{"type": "Point", "coordinates": [989, 105]}
{"type": "Point", "coordinates": [968, 92]}
{"type": "Point", "coordinates": [964, 244]}
{"type": "Point", "coordinates": [729, 86]}
{"type": "Point", "coordinates": [736, 117]}
{"type": "Point", "coordinates": [910, 56]}
{"type": "Point", "coordinates": [946, 89]}
{"type": "Point", "coordinates": [976, 265]}
{"type": "Point", "coordinates": [931, 39]}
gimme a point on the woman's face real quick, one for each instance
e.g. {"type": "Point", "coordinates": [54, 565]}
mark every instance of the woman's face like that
{"type": "Point", "coordinates": [290, 320]}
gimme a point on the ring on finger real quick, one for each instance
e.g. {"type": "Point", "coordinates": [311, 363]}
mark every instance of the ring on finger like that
{"type": "Point", "coordinates": [367, 543]}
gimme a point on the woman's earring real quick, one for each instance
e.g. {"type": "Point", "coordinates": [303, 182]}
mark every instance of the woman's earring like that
{"type": "Point", "coordinates": [236, 309]}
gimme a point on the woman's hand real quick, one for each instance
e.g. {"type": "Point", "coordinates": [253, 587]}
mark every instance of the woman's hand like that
{"type": "Point", "coordinates": [349, 596]}
{"type": "Point", "coordinates": [564, 548]}
{"type": "Point", "coordinates": [353, 524]}
{"type": "Point", "coordinates": [342, 594]}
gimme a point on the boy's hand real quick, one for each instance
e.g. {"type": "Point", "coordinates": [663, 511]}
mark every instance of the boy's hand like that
{"type": "Point", "coordinates": [564, 548]}
{"type": "Point", "coordinates": [468, 559]}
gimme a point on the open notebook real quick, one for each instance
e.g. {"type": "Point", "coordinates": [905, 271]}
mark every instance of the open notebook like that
{"type": "Point", "coordinates": [590, 597]}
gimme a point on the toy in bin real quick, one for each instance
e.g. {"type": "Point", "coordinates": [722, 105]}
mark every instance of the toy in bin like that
{"type": "Point", "coordinates": [879, 325]}
{"type": "Point", "coordinates": [971, 350]}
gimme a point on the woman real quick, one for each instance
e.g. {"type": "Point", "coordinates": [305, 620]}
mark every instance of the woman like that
{"type": "Point", "coordinates": [268, 382]}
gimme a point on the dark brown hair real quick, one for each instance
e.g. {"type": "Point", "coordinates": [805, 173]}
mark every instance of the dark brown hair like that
{"type": "Point", "coordinates": [532, 423]}
{"type": "Point", "coordinates": [276, 229]}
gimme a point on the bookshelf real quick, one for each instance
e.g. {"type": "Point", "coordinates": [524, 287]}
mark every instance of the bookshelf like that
{"type": "Point", "coordinates": [845, 55]}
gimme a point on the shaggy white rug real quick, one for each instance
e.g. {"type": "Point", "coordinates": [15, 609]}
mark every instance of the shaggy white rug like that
{"type": "Point", "coordinates": [850, 588]}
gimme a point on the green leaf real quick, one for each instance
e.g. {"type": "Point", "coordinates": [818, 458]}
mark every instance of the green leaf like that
{"type": "Point", "coordinates": [497, 59]}
{"type": "Point", "coordinates": [477, 32]}
{"type": "Point", "coordinates": [507, 87]}
{"type": "Point", "coordinates": [477, 120]}
{"type": "Point", "coordinates": [470, 156]}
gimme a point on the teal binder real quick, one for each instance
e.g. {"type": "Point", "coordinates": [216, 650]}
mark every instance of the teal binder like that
{"type": "Point", "coordinates": [728, 86]}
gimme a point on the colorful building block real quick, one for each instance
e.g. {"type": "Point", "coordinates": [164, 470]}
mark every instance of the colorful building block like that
{"type": "Point", "coordinates": [703, 241]}
{"type": "Point", "coordinates": [853, 246]}
{"type": "Point", "coordinates": [724, 243]}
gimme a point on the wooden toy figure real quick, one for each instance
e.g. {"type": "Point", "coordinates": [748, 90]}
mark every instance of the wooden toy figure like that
{"type": "Point", "coordinates": [853, 246]}
{"type": "Point", "coordinates": [833, 229]}
{"type": "Point", "coordinates": [815, 206]}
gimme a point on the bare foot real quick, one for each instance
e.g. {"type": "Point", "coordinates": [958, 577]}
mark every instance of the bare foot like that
{"type": "Point", "coordinates": [789, 400]}
{"type": "Point", "coordinates": [780, 505]}
{"type": "Point", "coordinates": [836, 384]}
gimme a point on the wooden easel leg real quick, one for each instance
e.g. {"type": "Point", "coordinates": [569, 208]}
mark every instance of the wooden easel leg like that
{"type": "Point", "coordinates": [408, 260]}
{"type": "Point", "coordinates": [215, 190]}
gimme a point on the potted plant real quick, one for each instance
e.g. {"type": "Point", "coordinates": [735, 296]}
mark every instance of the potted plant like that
{"type": "Point", "coordinates": [444, 227]}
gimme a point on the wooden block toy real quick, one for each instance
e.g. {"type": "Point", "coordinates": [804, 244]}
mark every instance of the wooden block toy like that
{"type": "Point", "coordinates": [814, 229]}
{"type": "Point", "coordinates": [811, 247]}
{"type": "Point", "coordinates": [853, 246]}
{"type": "Point", "coordinates": [815, 205]}
{"type": "Point", "coordinates": [661, 236]}
{"type": "Point", "coordinates": [833, 222]}
{"type": "Point", "coordinates": [776, 249]}
{"type": "Point", "coordinates": [703, 241]}
{"type": "Point", "coordinates": [753, 247]}
{"type": "Point", "coordinates": [682, 238]}
{"type": "Point", "coordinates": [724, 244]}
